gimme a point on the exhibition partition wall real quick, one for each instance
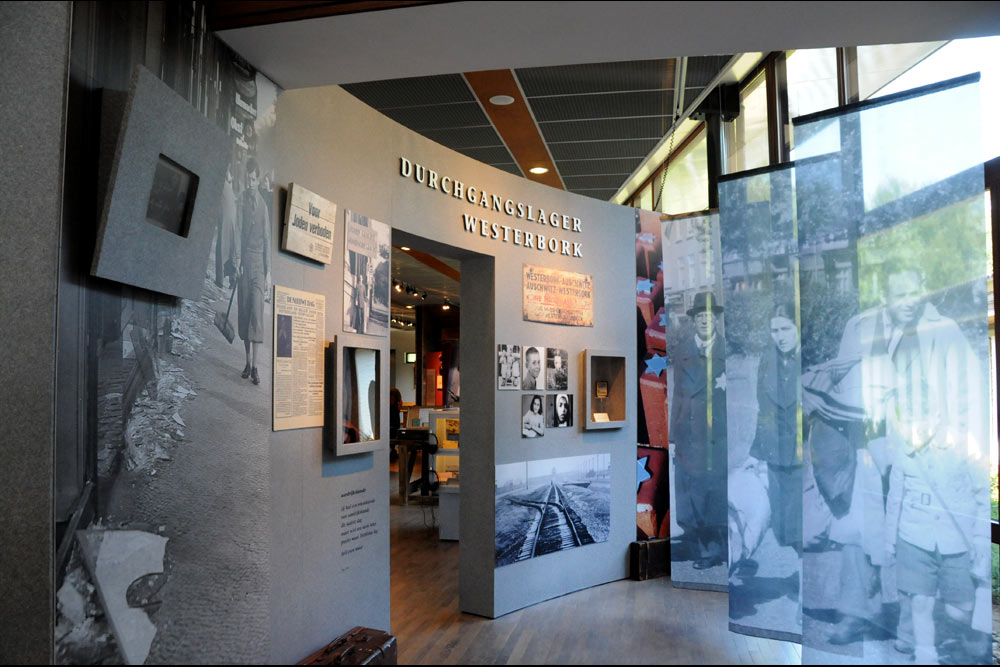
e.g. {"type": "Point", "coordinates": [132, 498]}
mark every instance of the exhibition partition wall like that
{"type": "Point", "coordinates": [546, 502]}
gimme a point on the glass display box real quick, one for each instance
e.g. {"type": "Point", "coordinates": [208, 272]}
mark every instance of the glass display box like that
{"type": "Point", "coordinates": [603, 389]}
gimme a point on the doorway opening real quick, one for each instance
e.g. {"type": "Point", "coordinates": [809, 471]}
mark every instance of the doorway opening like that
{"type": "Point", "coordinates": [438, 332]}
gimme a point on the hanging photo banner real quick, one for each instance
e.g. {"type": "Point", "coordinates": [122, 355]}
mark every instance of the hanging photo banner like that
{"type": "Point", "coordinates": [557, 297]}
{"type": "Point", "coordinates": [652, 475]}
{"type": "Point", "coordinates": [759, 275]}
{"type": "Point", "coordinates": [694, 367]}
{"type": "Point", "coordinates": [893, 298]}
{"type": "Point", "coordinates": [310, 224]}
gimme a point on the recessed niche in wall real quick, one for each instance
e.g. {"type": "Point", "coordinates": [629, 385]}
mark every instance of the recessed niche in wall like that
{"type": "Point", "coordinates": [603, 389]}
{"type": "Point", "coordinates": [355, 414]}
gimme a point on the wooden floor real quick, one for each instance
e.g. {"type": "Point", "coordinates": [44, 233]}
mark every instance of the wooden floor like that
{"type": "Point", "coordinates": [623, 622]}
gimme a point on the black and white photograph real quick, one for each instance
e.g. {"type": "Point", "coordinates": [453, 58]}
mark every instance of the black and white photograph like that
{"type": "Point", "coordinates": [508, 366]}
{"type": "Point", "coordinates": [367, 246]}
{"type": "Point", "coordinates": [556, 369]}
{"type": "Point", "coordinates": [183, 402]}
{"type": "Point", "coordinates": [533, 377]}
{"type": "Point", "coordinates": [764, 435]}
{"type": "Point", "coordinates": [896, 546]}
{"type": "Point", "coordinates": [696, 400]}
{"type": "Point", "coordinates": [551, 505]}
{"type": "Point", "coordinates": [283, 344]}
{"type": "Point", "coordinates": [532, 415]}
{"type": "Point", "coordinates": [559, 410]}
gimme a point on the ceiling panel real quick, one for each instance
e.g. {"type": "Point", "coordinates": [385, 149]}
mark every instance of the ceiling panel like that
{"type": "Point", "coordinates": [597, 121]}
{"type": "Point", "coordinates": [623, 166]}
{"type": "Point", "coordinates": [588, 182]}
{"type": "Point", "coordinates": [603, 195]}
{"type": "Point", "coordinates": [596, 77]}
{"type": "Point", "coordinates": [440, 89]}
{"type": "Point", "coordinates": [702, 69]}
{"type": "Point", "coordinates": [604, 105]}
{"type": "Point", "coordinates": [438, 116]}
{"type": "Point", "coordinates": [650, 127]}
{"type": "Point", "coordinates": [509, 167]}
{"type": "Point", "coordinates": [637, 148]}
{"type": "Point", "coordinates": [488, 154]}
{"type": "Point", "coordinates": [465, 137]}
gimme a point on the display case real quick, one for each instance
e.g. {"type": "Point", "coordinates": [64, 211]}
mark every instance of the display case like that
{"type": "Point", "coordinates": [603, 389]}
{"type": "Point", "coordinates": [354, 408]}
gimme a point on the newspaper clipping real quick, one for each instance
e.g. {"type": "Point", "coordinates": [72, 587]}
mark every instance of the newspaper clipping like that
{"type": "Point", "coordinates": [299, 333]}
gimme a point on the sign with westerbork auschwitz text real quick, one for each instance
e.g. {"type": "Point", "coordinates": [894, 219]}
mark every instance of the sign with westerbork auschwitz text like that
{"type": "Point", "coordinates": [557, 297]}
{"type": "Point", "coordinates": [310, 221]}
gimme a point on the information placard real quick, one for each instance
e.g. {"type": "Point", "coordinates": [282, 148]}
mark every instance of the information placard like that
{"type": "Point", "coordinates": [557, 297]}
{"type": "Point", "coordinates": [299, 334]}
{"type": "Point", "coordinates": [310, 222]}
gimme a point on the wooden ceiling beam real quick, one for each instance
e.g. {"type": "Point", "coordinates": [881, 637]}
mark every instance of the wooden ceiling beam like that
{"type": "Point", "coordinates": [515, 124]}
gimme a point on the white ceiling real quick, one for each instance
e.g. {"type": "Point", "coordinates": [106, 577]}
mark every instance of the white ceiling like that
{"type": "Point", "coordinates": [472, 36]}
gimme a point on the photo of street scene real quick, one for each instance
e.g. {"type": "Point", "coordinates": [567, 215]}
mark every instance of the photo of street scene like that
{"type": "Point", "coordinates": [551, 505]}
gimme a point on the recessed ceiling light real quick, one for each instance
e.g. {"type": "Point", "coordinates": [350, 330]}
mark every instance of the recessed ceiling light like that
{"type": "Point", "coordinates": [404, 248]}
{"type": "Point", "coordinates": [539, 170]}
{"type": "Point", "coordinates": [410, 307]}
{"type": "Point", "coordinates": [501, 100]}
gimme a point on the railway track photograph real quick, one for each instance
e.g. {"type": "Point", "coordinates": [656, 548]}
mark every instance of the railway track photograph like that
{"type": "Point", "coordinates": [551, 505]}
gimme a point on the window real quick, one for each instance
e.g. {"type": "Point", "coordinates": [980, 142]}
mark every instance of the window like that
{"type": "Point", "coordinates": [685, 189]}
{"type": "Point", "coordinates": [958, 57]}
{"type": "Point", "coordinates": [644, 199]}
{"type": "Point", "coordinates": [746, 143]}
{"type": "Point", "coordinates": [878, 65]}
{"type": "Point", "coordinates": [812, 82]}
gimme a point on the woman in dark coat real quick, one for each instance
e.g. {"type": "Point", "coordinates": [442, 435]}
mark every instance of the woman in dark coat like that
{"type": "Point", "coordinates": [777, 441]}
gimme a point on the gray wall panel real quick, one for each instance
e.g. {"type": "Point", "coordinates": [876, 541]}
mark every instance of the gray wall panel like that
{"type": "Point", "coordinates": [337, 147]}
{"type": "Point", "coordinates": [35, 39]}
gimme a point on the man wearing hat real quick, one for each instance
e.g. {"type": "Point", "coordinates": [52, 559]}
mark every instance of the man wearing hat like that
{"type": "Point", "coordinates": [698, 435]}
